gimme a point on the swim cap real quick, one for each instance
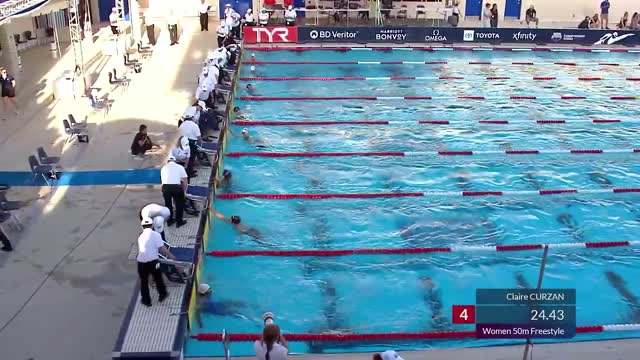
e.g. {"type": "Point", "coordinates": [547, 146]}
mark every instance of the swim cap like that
{"type": "Point", "coordinates": [226, 173]}
{"type": "Point", "coordinates": [245, 131]}
{"type": "Point", "coordinates": [253, 68]}
{"type": "Point", "coordinates": [253, 55]}
{"type": "Point", "coordinates": [204, 289]}
{"type": "Point", "coordinates": [235, 219]}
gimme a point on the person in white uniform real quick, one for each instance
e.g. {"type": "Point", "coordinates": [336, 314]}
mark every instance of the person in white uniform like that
{"type": "Point", "coordinates": [387, 355]}
{"type": "Point", "coordinates": [249, 18]}
{"type": "Point", "coordinates": [172, 24]}
{"type": "Point", "coordinates": [150, 245]}
{"type": "Point", "coordinates": [174, 186]}
{"type": "Point", "coordinates": [222, 32]}
{"type": "Point", "coordinates": [191, 131]}
{"type": "Point", "coordinates": [235, 24]}
{"type": "Point", "coordinates": [182, 152]}
{"type": "Point", "coordinates": [114, 21]}
{"type": "Point", "coordinates": [272, 345]}
{"type": "Point", "coordinates": [159, 214]}
{"type": "Point", "coordinates": [150, 26]}
{"type": "Point", "coordinates": [204, 15]}
{"type": "Point", "coordinates": [263, 18]}
{"type": "Point", "coordinates": [290, 16]}
{"type": "Point", "coordinates": [205, 78]}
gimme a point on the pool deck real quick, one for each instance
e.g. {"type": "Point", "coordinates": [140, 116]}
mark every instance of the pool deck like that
{"type": "Point", "coordinates": [66, 287]}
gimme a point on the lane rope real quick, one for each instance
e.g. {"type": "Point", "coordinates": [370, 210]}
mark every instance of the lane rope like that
{"type": "Point", "coordinates": [428, 122]}
{"type": "Point", "coordinates": [446, 98]}
{"type": "Point", "coordinates": [495, 63]}
{"type": "Point", "coordinates": [234, 196]}
{"type": "Point", "coordinates": [333, 337]}
{"type": "Point", "coordinates": [428, 250]}
{"type": "Point", "coordinates": [402, 78]}
{"type": "Point", "coordinates": [435, 153]}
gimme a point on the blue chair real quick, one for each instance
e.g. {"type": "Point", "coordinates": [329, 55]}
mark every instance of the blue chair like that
{"type": "Point", "coordinates": [184, 260]}
{"type": "Point", "coordinates": [210, 148]}
{"type": "Point", "coordinates": [46, 159]}
{"type": "Point", "coordinates": [197, 193]}
{"type": "Point", "coordinates": [45, 171]}
{"type": "Point", "coordinates": [71, 132]}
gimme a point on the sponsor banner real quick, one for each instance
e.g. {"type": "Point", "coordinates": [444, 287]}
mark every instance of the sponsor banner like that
{"type": "Point", "coordinates": [270, 34]}
{"type": "Point", "coordinates": [466, 35]}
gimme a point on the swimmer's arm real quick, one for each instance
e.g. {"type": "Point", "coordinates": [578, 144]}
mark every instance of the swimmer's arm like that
{"type": "Point", "coordinates": [232, 132]}
{"type": "Point", "coordinates": [222, 217]}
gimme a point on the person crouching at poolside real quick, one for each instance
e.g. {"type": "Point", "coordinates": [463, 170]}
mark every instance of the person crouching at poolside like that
{"type": "Point", "coordinates": [272, 345]}
{"type": "Point", "coordinates": [387, 355]}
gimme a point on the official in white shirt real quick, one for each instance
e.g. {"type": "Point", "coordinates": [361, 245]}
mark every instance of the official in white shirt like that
{"type": "Point", "coordinates": [150, 244]}
{"type": "Point", "coordinates": [208, 77]}
{"type": "Point", "coordinates": [204, 15]}
{"type": "Point", "coordinates": [263, 17]}
{"type": "Point", "coordinates": [227, 10]}
{"type": "Point", "coordinates": [174, 186]}
{"type": "Point", "coordinates": [182, 152]}
{"type": "Point", "coordinates": [172, 24]}
{"type": "Point", "coordinates": [222, 32]}
{"type": "Point", "coordinates": [159, 214]}
{"type": "Point", "coordinates": [235, 24]}
{"type": "Point", "coordinates": [151, 27]}
{"type": "Point", "coordinates": [290, 16]}
{"type": "Point", "coordinates": [249, 18]}
{"type": "Point", "coordinates": [114, 21]}
{"type": "Point", "coordinates": [191, 131]}
{"type": "Point", "coordinates": [203, 92]}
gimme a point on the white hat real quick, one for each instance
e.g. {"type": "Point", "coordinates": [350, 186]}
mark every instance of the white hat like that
{"type": "Point", "coordinates": [204, 288]}
{"type": "Point", "coordinates": [245, 131]}
{"type": "Point", "coordinates": [205, 70]}
{"type": "Point", "coordinates": [253, 68]}
{"type": "Point", "coordinates": [249, 11]}
{"type": "Point", "coordinates": [290, 7]}
{"type": "Point", "coordinates": [171, 158]}
{"type": "Point", "coordinates": [228, 5]}
{"type": "Point", "coordinates": [146, 221]}
{"type": "Point", "coordinates": [201, 103]}
{"type": "Point", "coordinates": [390, 355]}
{"type": "Point", "coordinates": [158, 224]}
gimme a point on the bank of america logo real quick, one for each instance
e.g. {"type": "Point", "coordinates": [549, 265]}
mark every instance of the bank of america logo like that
{"type": "Point", "coordinates": [468, 35]}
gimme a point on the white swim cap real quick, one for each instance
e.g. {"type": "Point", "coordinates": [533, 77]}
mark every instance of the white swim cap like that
{"type": "Point", "coordinates": [253, 55]}
{"type": "Point", "coordinates": [253, 68]}
{"type": "Point", "coordinates": [245, 131]}
{"type": "Point", "coordinates": [204, 289]}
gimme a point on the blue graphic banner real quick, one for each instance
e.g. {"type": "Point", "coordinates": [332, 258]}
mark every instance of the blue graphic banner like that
{"type": "Point", "coordinates": [428, 35]}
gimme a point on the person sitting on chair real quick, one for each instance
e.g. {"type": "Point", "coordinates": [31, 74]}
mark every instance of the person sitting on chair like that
{"type": "Point", "coordinates": [141, 142]}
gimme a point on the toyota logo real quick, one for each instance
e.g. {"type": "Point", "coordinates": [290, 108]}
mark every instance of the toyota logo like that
{"type": "Point", "coordinates": [313, 34]}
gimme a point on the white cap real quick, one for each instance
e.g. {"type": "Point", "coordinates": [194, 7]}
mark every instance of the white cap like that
{"type": "Point", "coordinates": [204, 288]}
{"type": "Point", "coordinates": [245, 131]}
{"type": "Point", "coordinates": [171, 158]}
{"type": "Point", "coordinates": [201, 103]}
{"type": "Point", "coordinates": [228, 5]}
{"type": "Point", "coordinates": [253, 68]}
{"type": "Point", "coordinates": [253, 55]}
{"type": "Point", "coordinates": [249, 11]}
{"type": "Point", "coordinates": [158, 224]}
{"type": "Point", "coordinates": [146, 221]}
{"type": "Point", "coordinates": [390, 355]}
{"type": "Point", "coordinates": [290, 7]}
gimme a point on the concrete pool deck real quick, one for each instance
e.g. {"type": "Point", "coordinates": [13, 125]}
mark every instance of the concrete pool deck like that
{"type": "Point", "coordinates": [65, 288]}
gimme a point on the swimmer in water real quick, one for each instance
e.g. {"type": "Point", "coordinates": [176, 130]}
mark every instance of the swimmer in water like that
{"type": "Point", "coordinates": [462, 180]}
{"type": "Point", "coordinates": [204, 304]}
{"type": "Point", "coordinates": [572, 226]}
{"type": "Point", "coordinates": [335, 321]}
{"type": "Point", "coordinates": [433, 298]}
{"type": "Point", "coordinates": [530, 179]}
{"type": "Point", "coordinates": [250, 89]}
{"type": "Point", "coordinates": [224, 182]}
{"type": "Point", "coordinates": [521, 281]}
{"type": "Point", "coordinates": [253, 57]}
{"type": "Point", "coordinates": [600, 179]}
{"type": "Point", "coordinates": [248, 138]}
{"type": "Point", "coordinates": [618, 283]}
{"type": "Point", "coordinates": [241, 229]}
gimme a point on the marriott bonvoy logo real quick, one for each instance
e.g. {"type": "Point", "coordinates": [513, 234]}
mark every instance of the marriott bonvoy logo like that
{"type": "Point", "coordinates": [519, 36]}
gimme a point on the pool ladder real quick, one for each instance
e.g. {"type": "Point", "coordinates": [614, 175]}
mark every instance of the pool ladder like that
{"type": "Point", "coordinates": [226, 344]}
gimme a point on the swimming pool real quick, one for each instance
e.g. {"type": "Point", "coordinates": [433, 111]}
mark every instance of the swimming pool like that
{"type": "Point", "coordinates": [387, 293]}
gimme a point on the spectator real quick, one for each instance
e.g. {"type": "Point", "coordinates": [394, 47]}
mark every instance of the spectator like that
{"type": "Point", "coordinates": [151, 27]}
{"type": "Point", "coordinates": [290, 16]}
{"type": "Point", "coordinates": [8, 85]}
{"type": "Point", "coordinates": [174, 186]}
{"type": "Point", "coordinates": [272, 346]}
{"type": "Point", "coordinates": [149, 245]}
{"type": "Point", "coordinates": [494, 16]}
{"type": "Point", "coordinates": [204, 16]}
{"type": "Point", "coordinates": [113, 21]}
{"type": "Point", "coordinates": [486, 15]}
{"type": "Point", "coordinates": [635, 20]}
{"type": "Point", "coordinates": [263, 17]}
{"type": "Point", "coordinates": [455, 12]}
{"type": "Point", "coordinates": [387, 355]}
{"type": "Point", "coordinates": [584, 24]}
{"type": "Point", "coordinates": [172, 25]}
{"type": "Point", "coordinates": [249, 19]}
{"type": "Point", "coordinates": [624, 21]}
{"type": "Point", "coordinates": [604, 14]}
{"type": "Point", "coordinates": [531, 16]}
{"type": "Point", "coordinates": [141, 142]}
{"type": "Point", "coordinates": [595, 22]}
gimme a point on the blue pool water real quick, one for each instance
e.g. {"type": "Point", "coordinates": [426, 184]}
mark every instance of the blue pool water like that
{"type": "Point", "coordinates": [384, 293]}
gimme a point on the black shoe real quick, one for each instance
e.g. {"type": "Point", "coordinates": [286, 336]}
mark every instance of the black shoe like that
{"type": "Point", "coordinates": [7, 248]}
{"type": "Point", "coordinates": [181, 223]}
{"type": "Point", "coordinates": [146, 303]}
{"type": "Point", "coordinates": [170, 222]}
{"type": "Point", "coordinates": [163, 297]}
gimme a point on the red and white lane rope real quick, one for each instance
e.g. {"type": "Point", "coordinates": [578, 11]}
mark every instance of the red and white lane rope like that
{"type": "Point", "coordinates": [235, 196]}
{"type": "Point", "coordinates": [435, 153]}
{"type": "Point", "coordinates": [333, 337]}
{"type": "Point", "coordinates": [405, 251]}
{"type": "Point", "coordinates": [427, 122]}
{"type": "Point", "coordinates": [433, 48]}
{"type": "Point", "coordinates": [401, 78]}
{"type": "Point", "coordinates": [446, 98]}
{"type": "Point", "coordinates": [442, 62]}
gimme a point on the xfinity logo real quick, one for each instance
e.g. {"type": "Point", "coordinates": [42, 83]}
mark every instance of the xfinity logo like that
{"type": "Point", "coordinates": [524, 36]}
{"type": "Point", "coordinates": [278, 34]}
{"type": "Point", "coordinates": [610, 38]}
{"type": "Point", "coordinates": [334, 34]}
{"type": "Point", "coordinates": [435, 37]}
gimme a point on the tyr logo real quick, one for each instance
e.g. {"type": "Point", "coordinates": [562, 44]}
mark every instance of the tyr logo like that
{"type": "Point", "coordinates": [272, 35]}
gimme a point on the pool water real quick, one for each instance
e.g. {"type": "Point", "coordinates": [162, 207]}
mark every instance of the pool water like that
{"type": "Point", "coordinates": [386, 293]}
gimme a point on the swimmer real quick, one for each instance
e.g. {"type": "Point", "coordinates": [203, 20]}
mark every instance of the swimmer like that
{"type": "Point", "coordinates": [253, 55]}
{"type": "Point", "coordinates": [204, 304]}
{"type": "Point", "coordinates": [521, 281]}
{"type": "Point", "coordinates": [433, 298]}
{"type": "Point", "coordinates": [462, 180]}
{"type": "Point", "coordinates": [248, 138]}
{"type": "Point", "coordinates": [250, 89]}
{"type": "Point", "coordinates": [529, 179]}
{"type": "Point", "coordinates": [224, 182]}
{"type": "Point", "coordinates": [620, 285]}
{"type": "Point", "coordinates": [387, 355]}
{"type": "Point", "coordinates": [572, 226]}
{"type": "Point", "coordinates": [253, 68]}
{"type": "Point", "coordinates": [241, 229]}
{"type": "Point", "coordinates": [600, 179]}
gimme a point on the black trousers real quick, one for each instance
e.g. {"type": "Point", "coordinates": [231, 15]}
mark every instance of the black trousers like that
{"type": "Point", "coordinates": [146, 269]}
{"type": "Point", "coordinates": [236, 31]}
{"type": "Point", "coordinates": [151, 34]}
{"type": "Point", "coordinates": [220, 40]}
{"type": "Point", "coordinates": [5, 241]}
{"type": "Point", "coordinates": [173, 33]}
{"type": "Point", "coordinates": [174, 193]}
{"type": "Point", "coordinates": [114, 29]}
{"type": "Point", "coordinates": [204, 22]}
{"type": "Point", "coordinates": [194, 153]}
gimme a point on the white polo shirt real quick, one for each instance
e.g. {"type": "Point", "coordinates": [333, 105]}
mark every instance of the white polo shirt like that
{"type": "Point", "coordinates": [190, 130]}
{"type": "Point", "coordinates": [204, 8]}
{"type": "Point", "coordinates": [290, 15]}
{"type": "Point", "coordinates": [222, 30]}
{"type": "Point", "coordinates": [172, 174]}
{"type": "Point", "coordinates": [204, 91]}
{"type": "Point", "coordinates": [148, 244]}
{"type": "Point", "coordinates": [192, 113]}
{"type": "Point", "coordinates": [278, 352]}
{"type": "Point", "coordinates": [152, 210]}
